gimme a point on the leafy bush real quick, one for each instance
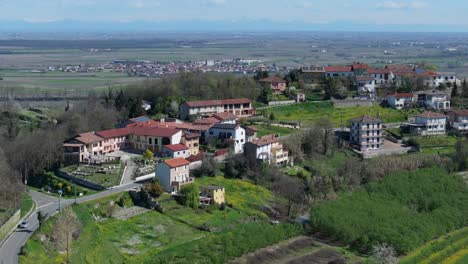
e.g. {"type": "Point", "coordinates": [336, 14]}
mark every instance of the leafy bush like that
{"type": "Point", "coordinates": [404, 210]}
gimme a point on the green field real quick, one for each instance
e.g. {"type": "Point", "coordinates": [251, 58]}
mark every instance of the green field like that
{"type": "Point", "coordinates": [448, 249]}
{"type": "Point", "coordinates": [271, 129]}
{"type": "Point", "coordinates": [309, 112]}
{"type": "Point", "coordinates": [179, 231]}
{"type": "Point", "coordinates": [92, 173]}
{"type": "Point", "coordinates": [437, 144]}
{"type": "Point", "coordinates": [404, 210]}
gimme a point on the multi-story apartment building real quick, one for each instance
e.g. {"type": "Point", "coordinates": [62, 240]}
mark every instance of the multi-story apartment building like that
{"type": "Point", "coordinates": [434, 99]}
{"type": "Point", "coordinates": [366, 133]}
{"type": "Point", "coordinates": [267, 149]}
{"type": "Point", "coordinates": [233, 133]}
{"type": "Point", "coordinates": [173, 174]}
{"type": "Point", "coordinates": [458, 120]}
{"type": "Point", "coordinates": [240, 107]}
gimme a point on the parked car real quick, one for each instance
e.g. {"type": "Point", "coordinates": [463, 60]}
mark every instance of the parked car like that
{"type": "Point", "coordinates": [23, 224]}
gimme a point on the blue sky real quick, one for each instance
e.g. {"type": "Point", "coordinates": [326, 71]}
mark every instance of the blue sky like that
{"type": "Point", "coordinates": [423, 13]}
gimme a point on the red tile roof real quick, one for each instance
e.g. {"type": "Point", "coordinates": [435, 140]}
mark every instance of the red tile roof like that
{"type": "Point", "coordinates": [400, 67]}
{"type": "Point", "coordinates": [459, 112]}
{"type": "Point", "coordinates": [176, 147]}
{"type": "Point", "coordinates": [401, 95]}
{"type": "Point", "coordinates": [206, 121]}
{"type": "Point", "coordinates": [225, 116]}
{"type": "Point", "coordinates": [265, 140]}
{"type": "Point", "coordinates": [177, 162]}
{"type": "Point", "coordinates": [378, 71]}
{"type": "Point", "coordinates": [429, 114]}
{"type": "Point", "coordinates": [338, 69]}
{"type": "Point", "coordinates": [88, 137]}
{"type": "Point", "coordinates": [273, 79]}
{"type": "Point", "coordinates": [112, 133]}
{"type": "Point", "coordinates": [154, 131]}
{"type": "Point", "coordinates": [360, 66]}
{"type": "Point", "coordinates": [217, 102]}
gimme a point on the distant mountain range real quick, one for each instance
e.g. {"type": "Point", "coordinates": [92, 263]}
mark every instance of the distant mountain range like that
{"type": "Point", "coordinates": [202, 25]}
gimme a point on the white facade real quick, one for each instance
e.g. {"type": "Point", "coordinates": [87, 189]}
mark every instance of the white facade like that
{"type": "Point", "coordinates": [437, 101]}
{"type": "Point", "coordinates": [399, 102]}
{"type": "Point", "coordinates": [431, 125]}
{"type": "Point", "coordinates": [366, 134]}
{"type": "Point", "coordinates": [382, 78]}
{"type": "Point", "coordinates": [229, 131]}
{"type": "Point", "coordinates": [444, 78]}
{"type": "Point", "coordinates": [367, 86]}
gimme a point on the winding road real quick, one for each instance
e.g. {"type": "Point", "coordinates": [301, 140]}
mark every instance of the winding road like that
{"type": "Point", "coordinates": [47, 205]}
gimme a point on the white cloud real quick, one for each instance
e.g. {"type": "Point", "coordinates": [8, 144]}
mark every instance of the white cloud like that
{"type": "Point", "coordinates": [400, 5]}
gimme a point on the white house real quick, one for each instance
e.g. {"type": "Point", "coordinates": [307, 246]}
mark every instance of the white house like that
{"type": "Point", "coordinates": [400, 100]}
{"type": "Point", "coordinates": [366, 133]}
{"type": "Point", "coordinates": [381, 76]}
{"type": "Point", "coordinates": [434, 99]}
{"type": "Point", "coordinates": [231, 132]}
{"type": "Point", "coordinates": [176, 151]}
{"type": "Point", "coordinates": [429, 123]}
{"type": "Point", "coordinates": [173, 174]}
{"type": "Point", "coordinates": [445, 78]}
{"type": "Point", "coordinates": [267, 149]}
{"type": "Point", "coordinates": [458, 120]}
{"type": "Point", "coordinates": [365, 84]}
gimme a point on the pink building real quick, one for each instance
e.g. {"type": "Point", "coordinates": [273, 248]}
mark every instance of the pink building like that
{"type": "Point", "coordinates": [173, 174]}
{"type": "Point", "coordinates": [277, 84]}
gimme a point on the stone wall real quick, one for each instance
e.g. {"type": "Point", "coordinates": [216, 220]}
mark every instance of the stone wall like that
{"type": "Point", "coordinates": [81, 182]}
{"type": "Point", "coordinates": [352, 103]}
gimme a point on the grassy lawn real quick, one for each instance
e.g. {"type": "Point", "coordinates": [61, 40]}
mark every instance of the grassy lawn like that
{"type": "Point", "coordinates": [437, 144]}
{"type": "Point", "coordinates": [295, 170]}
{"type": "Point", "coordinates": [270, 129]}
{"type": "Point", "coordinates": [448, 249]}
{"type": "Point", "coordinates": [313, 111]}
{"type": "Point", "coordinates": [107, 175]}
{"type": "Point", "coordinates": [26, 204]}
{"type": "Point", "coordinates": [241, 195]}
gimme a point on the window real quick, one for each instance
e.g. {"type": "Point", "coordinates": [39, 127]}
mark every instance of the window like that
{"type": "Point", "coordinates": [150, 141]}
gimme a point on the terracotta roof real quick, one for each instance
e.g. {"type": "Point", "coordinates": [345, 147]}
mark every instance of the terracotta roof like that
{"type": "Point", "coordinates": [401, 95]}
{"type": "Point", "coordinates": [360, 66]}
{"type": "Point", "coordinates": [206, 121]}
{"type": "Point", "coordinates": [88, 137]}
{"type": "Point", "coordinates": [273, 79]}
{"type": "Point", "coordinates": [176, 147]}
{"type": "Point", "coordinates": [217, 102]}
{"type": "Point", "coordinates": [177, 162]}
{"type": "Point", "coordinates": [265, 140]}
{"type": "Point", "coordinates": [154, 131]}
{"type": "Point", "coordinates": [459, 112]}
{"type": "Point", "coordinates": [366, 119]}
{"type": "Point", "coordinates": [225, 116]}
{"type": "Point", "coordinates": [112, 133]}
{"type": "Point", "coordinates": [338, 69]}
{"type": "Point", "coordinates": [197, 157]}
{"type": "Point", "coordinates": [400, 67]}
{"type": "Point", "coordinates": [253, 128]}
{"type": "Point", "coordinates": [429, 114]}
{"type": "Point", "coordinates": [377, 71]}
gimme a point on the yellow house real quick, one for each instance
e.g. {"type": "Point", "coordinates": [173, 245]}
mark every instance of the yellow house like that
{"type": "Point", "coordinates": [216, 193]}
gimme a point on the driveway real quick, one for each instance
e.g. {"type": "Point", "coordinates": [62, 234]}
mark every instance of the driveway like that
{"type": "Point", "coordinates": [47, 205]}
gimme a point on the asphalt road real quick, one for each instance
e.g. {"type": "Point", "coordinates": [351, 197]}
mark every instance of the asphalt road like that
{"type": "Point", "coordinates": [48, 205]}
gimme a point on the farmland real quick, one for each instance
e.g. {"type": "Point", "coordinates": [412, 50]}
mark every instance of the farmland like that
{"type": "Point", "coordinates": [405, 210]}
{"type": "Point", "coordinates": [448, 249]}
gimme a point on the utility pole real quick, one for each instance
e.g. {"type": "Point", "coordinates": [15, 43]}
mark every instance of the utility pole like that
{"type": "Point", "coordinates": [74, 183]}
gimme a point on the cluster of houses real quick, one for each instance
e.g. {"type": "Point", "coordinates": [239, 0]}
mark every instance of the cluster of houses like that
{"type": "Point", "coordinates": [367, 78]}
{"type": "Point", "coordinates": [366, 133]}
{"type": "Point", "coordinates": [178, 141]}
{"type": "Point", "coordinates": [431, 99]}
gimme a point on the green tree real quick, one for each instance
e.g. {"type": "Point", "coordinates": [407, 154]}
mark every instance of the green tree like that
{"type": "Point", "coordinates": [148, 155]}
{"type": "Point", "coordinates": [261, 75]}
{"type": "Point", "coordinates": [190, 195]}
{"type": "Point", "coordinates": [455, 90]}
{"type": "Point", "coordinates": [120, 101]}
{"type": "Point", "coordinates": [266, 94]}
{"type": "Point", "coordinates": [331, 88]}
{"type": "Point", "coordinates": [154, 188]}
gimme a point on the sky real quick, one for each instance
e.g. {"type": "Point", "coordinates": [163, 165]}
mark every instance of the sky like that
{"type": "Point", "coordinates": [448, 15]}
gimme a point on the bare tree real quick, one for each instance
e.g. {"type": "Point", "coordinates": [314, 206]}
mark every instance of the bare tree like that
{"type": "Point", "coordinates": [291, 189]}
{"type": "Point", "coordinates": [66, 229]}
{"type": "Point", "coordinates": [384, 254]}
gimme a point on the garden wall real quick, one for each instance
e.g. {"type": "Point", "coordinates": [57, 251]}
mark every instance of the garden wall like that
{"type": "Point", "coordinates": [81, 182]}
{"type": "Point", "coordinates": [276, 103]}
{"type": "Point", "coordinates": [9, 225]}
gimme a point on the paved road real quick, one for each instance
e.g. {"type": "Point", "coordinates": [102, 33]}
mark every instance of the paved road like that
{"type": "Point", "coordinates": [48, 205]}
